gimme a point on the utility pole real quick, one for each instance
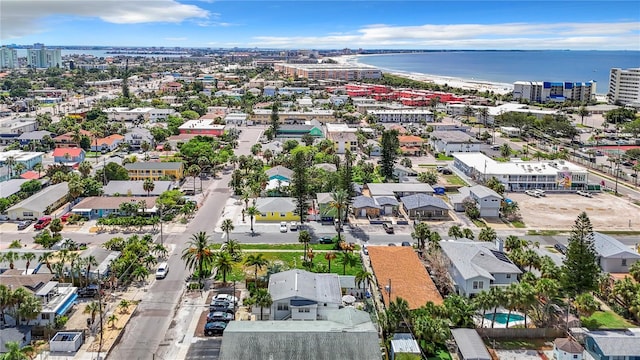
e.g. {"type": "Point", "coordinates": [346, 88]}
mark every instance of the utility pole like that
{"type": "Point", "coordinates": [101, 312]}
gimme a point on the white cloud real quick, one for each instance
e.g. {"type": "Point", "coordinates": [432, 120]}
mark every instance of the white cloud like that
{"type": "Point", "coordinates": [619, 35]}
{"type": "Point", "coordinates": [21, 17]}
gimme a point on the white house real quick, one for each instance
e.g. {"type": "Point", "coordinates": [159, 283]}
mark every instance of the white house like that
{"type": "Point", "coordinates": [448, 142]}
{"type": "Point", "coordinates": [613, 256]}
{"type": "Point", "coordinates": [476, 266]}
{"type": "Point", "coordinates": [567, 349]}
{"type": "Point", "coordinates": [301, 295]}
{"type": "Point", "coordinates": [487, 200]}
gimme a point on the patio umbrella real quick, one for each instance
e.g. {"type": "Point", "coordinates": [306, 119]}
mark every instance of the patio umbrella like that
{"type": "Point", "coordinates": [348, 299]}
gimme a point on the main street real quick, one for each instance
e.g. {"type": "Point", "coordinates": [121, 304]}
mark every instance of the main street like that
{"type": "Point", "coordinates": [146, 331]}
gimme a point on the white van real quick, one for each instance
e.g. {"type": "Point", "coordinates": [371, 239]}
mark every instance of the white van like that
{"type": "Point", "coordinates": [162, 271]}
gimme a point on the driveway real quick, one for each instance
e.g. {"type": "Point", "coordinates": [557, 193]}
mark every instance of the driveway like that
{"type": "Point", "coordinates": [208, 349]}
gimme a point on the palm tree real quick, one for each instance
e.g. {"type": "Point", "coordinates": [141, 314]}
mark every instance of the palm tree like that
{"type": "Point", "coordinates": [233, 248]}
{"type": "Point", "coordinates": [363, 277]}
{"type": "Point", "coordinates": [46, 257]}
{"type": "Point", "coordinates": [11, 257]}
{"type": "Point", "coordinates": [6, 299]}
{"type": "Point", "coordinates": [468, 112]}
{"type": "Point", "coordinates": [304, 237]}
{"type": "Point", "coordinates": [252, 212]}
{"type": "Point", "coordinates": [199, 253]}
{"type": "Point", "coordinates": [140, 273]}
{"type": "Point", "coordinates": [112, 319]}
{"type": "Point", "coordinates": [582, 112]}
{"type": "Point", "coordinates": [330, 256]}
{"type": "Point", "coordinates": [484, 301]}
{"type": "Point", "coordinates": [28, 257]}
{"type": "Point", "coordinates": [455, 232]}
{"type": "Point", "coordinates": [148, 185]}
{"type": "Point", "coordinates": [89, 261]}
{"type": "Point", "coordinates": [124, 306]}
{"type": "Point", "coordinates": [193, 170]}
{"type": "Point", "coordinates": [19, 168]}
{"type": "Point", "coordinates": [339, 201]}
{"type": "Point", "coordinates": [85, 168]}
{"type": "Point", "coordinates": [227, 227]}
{"type": "Point", "coordinates": [10, 162]}
{"type": "Point", "coordinates": [263, 299]}
{"type": "Point", "coordinates": [38, 167]}
{"type": "Point", "coordinates": [487, 234]}
{"type": "Point", "coordinates": [92, 309]}
{"type": "Point", "coordinates": [15, 352]}
{"type": "Point", "coordinates": [224, 263]}
{"type": "Point", "coordinates": [498, 297]}
{"type": "Point", "coordinates": [347, 259]}
{"type": "Point", "coordinates": [468, 234]}
{"type": "Point", "coordinates": [258, 262]}
{"type": "Point", "coordinates": [421, 233]}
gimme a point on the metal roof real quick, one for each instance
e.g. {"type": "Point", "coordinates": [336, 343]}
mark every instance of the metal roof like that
{"type": "Point", "coordinates": [418, 201]}
{"type": "Point", "coordinates": [275, 204]}
{"type": "Point", "coordinates": [322, 288]}
{"type": "Point", "coordinates": [135, 188]}
{"type": "Point", "coordinates": [42, 199]}
{"type": "Point", "coordinates": [470, 344]}
{"type": "Point", "coordinates": [609, 247]}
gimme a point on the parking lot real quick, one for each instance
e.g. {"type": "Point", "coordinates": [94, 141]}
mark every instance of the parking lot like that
{"type": "Point", "coordinates": [559, 211]}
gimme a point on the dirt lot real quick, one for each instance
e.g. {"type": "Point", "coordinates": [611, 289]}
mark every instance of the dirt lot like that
{"type": "Point", "coordinates": [559, 211]}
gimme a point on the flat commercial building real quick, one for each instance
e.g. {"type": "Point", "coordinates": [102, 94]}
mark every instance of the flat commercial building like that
{"type": "Point", "coordinates": [402, 115]}
{"type": "Point", "coordinates": [544, 91]}
{"type": "Point", "coordinates": [518, 175]}
{"type": "Point", "coordinates": [624, 86]}
{"type": "Point", "coordinates": [346, 72]}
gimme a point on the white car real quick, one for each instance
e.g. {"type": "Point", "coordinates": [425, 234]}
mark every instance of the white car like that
{"type": "Point", "coordinates": [283, 227]}
{"type": "Point", "coordinates": [226, 297]}
{"type": "Point", "coordinates": [162, 271]}
{"type": "Point", "coordinates": [584, 193]}
{"type": "Point", "coordinates": [540, 192]}
{"type": "Point", "coordinates": [532, 193]}
{"type": "Point", "coordinates": [293, 226]}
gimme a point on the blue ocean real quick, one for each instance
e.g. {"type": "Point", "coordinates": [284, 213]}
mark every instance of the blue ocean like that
{"type": "Point", "coordinates": [511, 66]}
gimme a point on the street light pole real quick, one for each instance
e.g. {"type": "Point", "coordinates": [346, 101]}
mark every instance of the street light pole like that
{"type": "Point", "coordinates": [388, 288]}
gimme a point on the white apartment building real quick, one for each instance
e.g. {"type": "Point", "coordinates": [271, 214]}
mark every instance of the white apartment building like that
{"type": "Point", "coordinates": [624, 86]}
{"type": "Point", "coordinates": [544, 91]}
{"type": "Point", "coordinates": [346, 72]}
{"type": "Point", "coordinates": [263, 116]}
{"type": "Point", "coordinates": [41, 57]}
{"type": "Point", "coordinates": [402, 115]}
{"type": "Point", "coordinates": [147, 114]}
{"type": "Point", "coordinates": [8, 58]}
{"type": "Point", "coordinates": [518, 175]}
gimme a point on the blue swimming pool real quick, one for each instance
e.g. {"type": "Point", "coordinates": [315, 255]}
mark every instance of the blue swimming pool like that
{"type": "Point", "coordinates": [501, 318]}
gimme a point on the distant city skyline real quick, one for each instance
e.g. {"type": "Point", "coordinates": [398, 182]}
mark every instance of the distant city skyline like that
{"type": "Point", "coordinates": [478, 25]}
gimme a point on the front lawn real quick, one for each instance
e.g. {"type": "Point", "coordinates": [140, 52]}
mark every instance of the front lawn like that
{"type": "Point", "coordinates": [518, 224]}
{"type": "Point", "coordinates": [443, 157]}
{"type": "Point", "coordinates": [441, 355]}
{"type": "Point", "coordinates": [605, 320]}
{"type": "Point", "coordinates": [454, 180]}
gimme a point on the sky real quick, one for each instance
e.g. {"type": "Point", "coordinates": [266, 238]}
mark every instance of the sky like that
{"type": "Point", "coordinates": [320, 24]}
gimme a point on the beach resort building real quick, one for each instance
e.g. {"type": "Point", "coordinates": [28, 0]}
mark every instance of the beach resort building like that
{"type": "Point", "coordinates": [624, 86]}
{"type": "Point", "coordinates": [345, 72]}
{"type": "Point", "coordinates": [544, 91]}
{"type": "Point", "coordinates": [518, 175]}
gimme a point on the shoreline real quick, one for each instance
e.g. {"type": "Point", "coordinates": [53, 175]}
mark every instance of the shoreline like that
{"type": "Point", "coordinates": [454, 82]}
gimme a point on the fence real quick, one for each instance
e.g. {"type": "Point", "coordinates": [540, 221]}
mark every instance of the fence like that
{"type": "Point", "coordinates": [520, 333]}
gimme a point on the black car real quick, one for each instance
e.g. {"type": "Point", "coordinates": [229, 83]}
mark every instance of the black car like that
{"type": "Point", "coordinates": [90, 291]}
{"type": "Point", "coordinates": [406, 243]}
{"type": "Point", "coordinates": [215, 316]}
{"type": "Point", "coordinates": [326, 240]}
{"type": "Point", "coordinates": [221, 305]}
{"type": "Point", "coordinates": [446, 171]}
{"type": "Point", "coordinates": [388, 228]}
{"type": "Point", "coordinates": [561, 248]}
{"type": "Point", "coordinates": [213, 328]}
{"type": "Point", "coordinates": [24, 224]}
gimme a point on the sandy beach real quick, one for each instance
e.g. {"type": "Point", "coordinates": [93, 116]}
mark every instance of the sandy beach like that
{"type": "Point", "coordinates": [469, 84]}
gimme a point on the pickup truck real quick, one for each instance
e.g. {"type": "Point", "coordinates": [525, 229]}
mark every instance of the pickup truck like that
{"type": "Point", "coordinates": [42, 223]}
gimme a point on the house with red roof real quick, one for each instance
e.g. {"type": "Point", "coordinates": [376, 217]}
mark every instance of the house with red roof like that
{"type": "Point", "coordinates": [108, 143]}
{"type": "Point", "coordinates": [68, 156]}
{"type": "Point", "coordinates": [66, 139]}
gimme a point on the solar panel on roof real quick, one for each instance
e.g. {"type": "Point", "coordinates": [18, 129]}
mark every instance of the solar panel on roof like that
{"type": "Point", "coordinates": [500, 256]}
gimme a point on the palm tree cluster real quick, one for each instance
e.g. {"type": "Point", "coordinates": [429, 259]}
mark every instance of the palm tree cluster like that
{"type": "Point", "coordinates": [20, 304]}
{"type": "Point", "coordinates": [138, 257]}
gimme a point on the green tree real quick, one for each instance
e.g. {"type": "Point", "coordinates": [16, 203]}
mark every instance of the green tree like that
{"type": "Point", "coordinates": [300, 185]}
{"type": "Point", "coordinates": [390, 145]}
{"type": "Point", "coordinates": [430, 177]}
{"type": "Point", "coordinates": [330, 255]}
{"type": "Point", "coordinates": [199, 253]}
{"type": "Point", "coordinates": [252, 212]}
{"type": "Point", "coordinates": [495, 185]}
{"type": "Point", "coordinates": [363, 277]}
{"type": "Point", "coordinates": [305, 238]}
{"type": "Point", "coordinates": [586, 304]}
{"type": "Point", "coordinates": [634, 271]}
{"type": "Point", "coordinates": [505, 150]}
{"type": "Point", "coordinates": [421, 233]}
{"type": "Point", "coordinates": [468, 234]}
{"type": "Point", "coordinates": [347, 259]}
{"type": "Point", "coordinates": [339, 202]}
{"type": "Point", "coordinates": [92, 309]}
{"type": "Point", "coordinates": [274, 121]}
{"type": "Point", "coordinates": [258, 262]}
{"type": "Point", "coordinates": [484, 301]}
{"type": "Point", "coordinates": [16, 352]}
{"type": "Point", "coordinates": [582, 112]}
{"type": "Point", "coordinates": [487, 234]}
{"type": "Point", "coordinates": [455, 232]}
{"type": "Point", "coordinates": [227, 227]}
{"type": "Point", "coordinates": [28, 258]}
{"type": "Point", "coordinates": [148, 185]}
{"type": "Point", "coordinates": [224, 263]}
{"type": "Point", "coordinates": [263, 299]}
{"type": "Point", "coordinates": [459, 311]}
{"type": "Point", "coordinates": [580, 269]}
{"type": "Point", "coordinates": [85, 168]}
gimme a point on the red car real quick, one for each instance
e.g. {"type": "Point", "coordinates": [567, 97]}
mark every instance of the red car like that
{"type": "Point", "coordinates": [65, 217]}
{"type": "Point", "coordinates": [42, 223]}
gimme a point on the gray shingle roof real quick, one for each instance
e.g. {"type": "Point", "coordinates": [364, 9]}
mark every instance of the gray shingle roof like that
{"type": "Point", "coordinates": [43, 198]}
{"type": "Point", "coordinates": [275, 204]}
{"type": "Point", "coordinates": [390, 189]}
{"type": "Point", "coordinates": [327, 167]}
{"type": "Point", "coordinates": [617, 343]}
{"type": "Point", "coordinates": [324, 288]}
{"type": "Point", "coordinates": [362, 201]}
{"type": "Point", "coordinates": [153, 165]}
{"type": "Point", "coordinates": [418, 201]}
{"type": "Point", "coordinates": [608, 247]}
{"type": "Point", "coordinates": [452, 137]}
{"type": "Point", "coordinates": [324, 198]}
{"type": "Point", "coordinates": [279, 170]}
{"type": "Point", "coordinates": [470, 344]}
{"type": "Point", "coordinates": [17, 333]}
{"type": "Point", "coordinates": [483, 191]}
{"type": "Point", "coordinates": [124, 187]}
{"type": "Point", "coordinates": [474, 258]}
{"type": "Point", "coordinates": [34, 135]}
{"type": "Point", "coordinates": [386, 200]}
{"type": "Point", "coordinates": [347, 338]}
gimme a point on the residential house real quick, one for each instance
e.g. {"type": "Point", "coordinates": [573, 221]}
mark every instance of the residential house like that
{"type": "Point", "coordinates": [613, 256]}
{"type": "Point", "coordinates": [108, 143]}
{"type": "Point", "coordinates": [136, 136]}
{"type": "Point", "coordinates": [424, 207]}
{"type": "Point", "coordinates": [448, 142]}
{"type": "Point", "coordinates": [411, 145]}
{"type": "Point", "coordinates": [396, 189]}
{"type": "Point", "coordinates": [94, 207]}
{"type": "Point", "coordinates": [610, 345]}
{"type": "Point", "coordinates": [297, 131]}
{"type": "Point", "coordinates": [345, 334]}
{"type": "Point", "coordinates": [103, 257]}
{"type": "Point", "coordinates": [469, 345]}
{"type": "Point", "coordinates": [12, 128]}
{"type": "Point", "coordinates": [155, 170]}
{"type": "Point", "coordinates": [567, 349]}
{"type": "Point", "coordinates": [33, 137]}
{"type": "Point", "coordinates": [274, 146]}
{"type": "Point", "coordinates": [344, 141]}
{"type": "Point", "coordinates": [349, 286]}
{"type": "Point", "coordinates": [10, 187]}
{"type": "Point", "coordinates": [475, 266]}
{"type": "Point", "coordinates": [365, 206]}
{"type": "Point", "coordinates": [303, 295]}
{"type": "Point", "coordinates": [26, 158]}
{"type": "Point", "coordinates": [20, 334]}
{"type": "Point", "coordinates": [400, 171]}
{"type": "Point", "coordinates": [68, 156]}
{"type": "Point", "coordinates": [388, 205]}
{"type": "Point", "coordinates": [280, 173]}
{"type": "Point", "coordinates": [487, 200]}
{"type": "Point", "coordinates": [324, 209]}
{"type": "Point", "coordinates": [409, 281]}
{"type": "Point", "coordinates": [42, 203]}
{"type": "Point", "coordinates": [376, 149]}
{"type": "Point", "coordinates": [135, 188]}
{"type": "Point", "coordinates": [404, 343]}
{"type": "Point", "coordinates": [66, 139]}
{"type": "Point", "coordinates": [57, 298]}
{"type": "Point", "coordinates": [276, 209]}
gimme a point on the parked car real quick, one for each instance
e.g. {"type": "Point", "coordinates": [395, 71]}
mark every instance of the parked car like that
{"type": "Point", "coordinates": [42, 223]}
{"type": "Point", "coordinates": [226, 297]}
{"type": "Point", "coordinates": [388, 228]}
{"type": "Point", "coordinates": [221, 305]}
{"type": "Point", "coordinates": [215, 316]}
{"type": "Point", "coordinates": [24, 224]}
{"type": "Point", "coordinates": [365, 250]}
{"type": "Point", "coordinates": [90, 291]}
{"type": "Point", "coordinates": [584, 193]}
{"type": "Point", "coordinates": [561, 248]}
{"type": "Point", "coordinates": [162, 271]}
{"type": "Point", "coordinates": [65, 217]}
{"type": "Point", "coordinates": [213, 328]}
{"type": "Point", "coordinates": [392, 244]}
{"type": "Point", "coordinates": [540, 192]}
{"type": "Point", "coordinates": [283, 227]}
{"type": "Point", "coordinates": [532, 193]}
{"type": "Point", "coordinates": [446, 171]}
{"type": "Point", "coordinates": [326, 240]}
{"type": "Point", "coordinates": [495, 147]}
{"type": "Point", "coordinates": [406, 243]}
{"type": "Point", "coordinates": [293, 226]}
{"type": "Point", "coordinates": [4, 217]}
